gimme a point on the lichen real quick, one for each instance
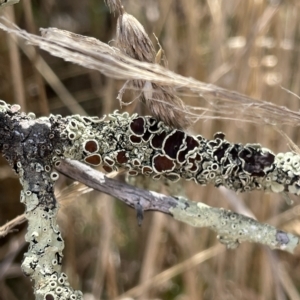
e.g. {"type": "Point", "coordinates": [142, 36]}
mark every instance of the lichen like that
{"type": "Point", "coordinates": [232, 228]}
{"type": "Point", "coordinates": [33, 149]}
{"type": "Point", "coordinates": [142, 145]}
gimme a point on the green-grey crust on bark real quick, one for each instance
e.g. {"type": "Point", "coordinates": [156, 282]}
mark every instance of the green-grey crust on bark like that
{"type": "Point", "coordinates": [232, 228]}
{"type": "Point", "coordinates": [28, 144]}
{"type": "Point", "coordinates": [141, 145]}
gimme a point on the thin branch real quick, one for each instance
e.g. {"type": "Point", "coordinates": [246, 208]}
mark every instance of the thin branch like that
{"type": "Point", "coordinates": [124, 192]}
{"type": "Point", "coordinates": [232, 228]}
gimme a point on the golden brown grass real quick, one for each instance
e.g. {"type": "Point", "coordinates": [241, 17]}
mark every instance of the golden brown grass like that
{"type": "Point", "coordinates": [247, 46]}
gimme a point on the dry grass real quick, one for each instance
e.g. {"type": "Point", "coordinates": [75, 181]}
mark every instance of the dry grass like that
{"type": "Point", "coordinates": [251, 47]}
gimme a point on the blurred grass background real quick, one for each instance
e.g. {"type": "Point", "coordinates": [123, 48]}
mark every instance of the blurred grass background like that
{"type": "Point", "coordinates": [248, 46]}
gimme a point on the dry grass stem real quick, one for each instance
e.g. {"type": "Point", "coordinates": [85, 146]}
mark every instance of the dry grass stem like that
{"type": "Point", "coordinates": [52, 79]}
{"type": "Point", "coordinates": [287, 283]}
{"type": "Point", "coordinates": [105, 252]}
{"type": "Point", "coordinates": [16, 68]}
{"type": "Point", "coordinates": [96, 55]}
{"type": "Point", "coordinates": [166, 275]}
{"type": "Point", "coordinates": [9, 226]}
{"type": "Point", "coordinates": [43, 101]}
{"type": "Point", "coordinates": [234, 201]}
{"type": "Point", "coordinates": [152, 250]}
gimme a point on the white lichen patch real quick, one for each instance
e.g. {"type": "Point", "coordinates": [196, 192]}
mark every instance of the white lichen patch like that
{"type": "Point", "coordinates": [44, 257]}
{"type": "Point", "coordinates": [43, 260]}
{"type": "Point", "coordinates": [276, 187]}
{"type": "Point", "coordinates": [30, 200]}
{"type": "Point", "coordinates": [289, 162]}
{"type": "Point", "coordinates": [4, 107]}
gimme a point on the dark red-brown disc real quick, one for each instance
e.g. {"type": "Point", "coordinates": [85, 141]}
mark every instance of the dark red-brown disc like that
{"type": "Point", "coordinates": [147, 170]}
{"type": "Point", "coordinates": [162, 163]}
{"type": "Point", "coordinates": [135, 139]}
{"type": "Point", "coordinates": [137, 126]}
{"type": "Point", "coordinates": [94, 159]}
{"type": "Point", "coordinates": [173, 143]}
{"type": "Point", "coordinates": [91, 146]}
{"type": "Point", "coordinates": [121, 157]}
{"type": "Point", "coordinates": [107, 169]}
{"type": "Point", "coordinates": [157, 140]}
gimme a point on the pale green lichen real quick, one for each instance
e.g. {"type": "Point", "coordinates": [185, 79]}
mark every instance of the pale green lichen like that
{"type": "Point", "coordinates": [141, 145]}
{"type": "Point", "coordinates": [232, 228]}
{"type": "Point", "coordinates": [43, 260]}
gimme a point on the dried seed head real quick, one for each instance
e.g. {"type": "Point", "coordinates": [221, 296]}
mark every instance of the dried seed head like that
{"type": "Point", "coordinates": [133, 40]}
{"type": "Point", "coordinates": [162, 101]}
{"type": "Point", "coordinates": [164, 104]}
{"type": "Point", "coordinates": [114, 5]}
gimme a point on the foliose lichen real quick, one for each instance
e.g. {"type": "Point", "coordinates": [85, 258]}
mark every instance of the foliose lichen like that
{"type": "Point", "coordinates": [142, 145]}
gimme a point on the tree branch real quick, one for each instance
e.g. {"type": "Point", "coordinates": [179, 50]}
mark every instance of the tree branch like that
{"type": "Point", "coordinates": [27, 145]}
{"type": "Point", "coordinates": [140, 145]}
{"type": "Point", "coordinates": [232, 228]}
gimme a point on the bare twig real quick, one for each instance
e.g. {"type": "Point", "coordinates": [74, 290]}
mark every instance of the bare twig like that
{"type": "Point", "coordinates": [231, 227]}
{"type": "Point", "coordinates": [61, 197]}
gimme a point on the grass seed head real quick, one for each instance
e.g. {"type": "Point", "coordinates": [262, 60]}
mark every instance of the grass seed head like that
{"type": "Point", "coordinates": [133, 40]}
{"type": "Point", "coordinates": [114, 6]}
{"type": "Point", "coordinates": [165, 105]}
{"type": "Point", "coordinates": [162, 101]}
